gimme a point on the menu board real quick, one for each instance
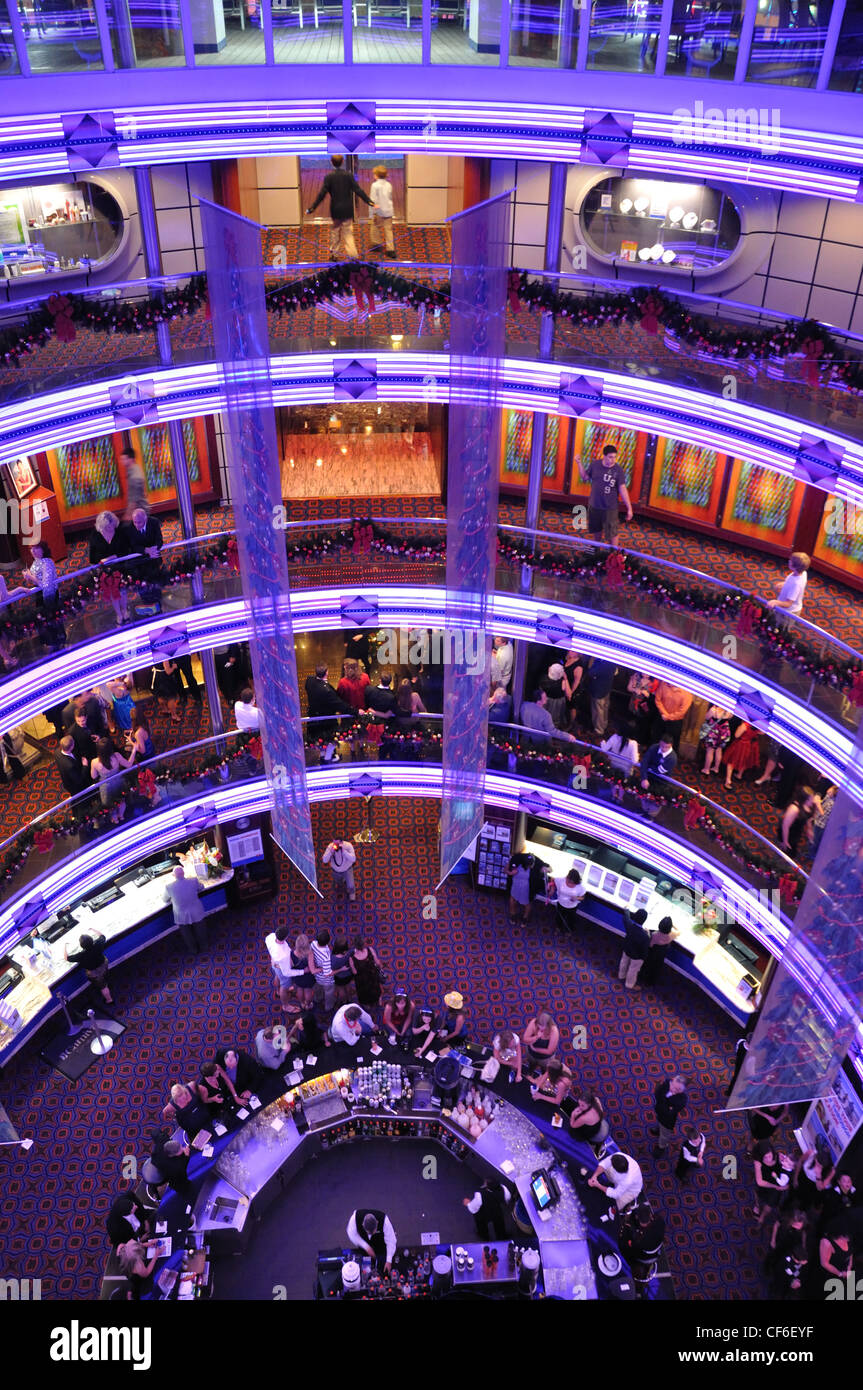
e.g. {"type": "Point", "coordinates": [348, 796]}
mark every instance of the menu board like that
{"type": "Point", "coordinates": [762, 503]}
{"type": "Point", "coordinates": [687, 479]}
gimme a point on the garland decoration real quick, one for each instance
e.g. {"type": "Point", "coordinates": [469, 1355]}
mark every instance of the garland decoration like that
{"type": "Point", "coordinates": [733, 610]}
{"type": "Point", "coordinates": [62, 316]}
{"type": "Point", "coordinates": [412, 744]}
{"type": "Point", "coordinates": [824, 358]}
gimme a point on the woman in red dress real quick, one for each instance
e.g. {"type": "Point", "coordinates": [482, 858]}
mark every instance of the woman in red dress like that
{"type": "Point", "coordinates": [742, 752]}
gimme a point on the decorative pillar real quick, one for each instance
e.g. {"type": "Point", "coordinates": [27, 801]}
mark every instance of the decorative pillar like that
{"type": "Point", "coordinates": [533, 503]}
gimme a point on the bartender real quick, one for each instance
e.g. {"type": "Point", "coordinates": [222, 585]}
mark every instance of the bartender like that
{"type": "Point", "coordinates": [373, 1232]}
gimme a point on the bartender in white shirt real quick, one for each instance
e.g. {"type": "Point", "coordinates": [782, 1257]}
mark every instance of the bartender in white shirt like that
{"type": "Point", "coordinates": [372, 1231]}
{"type": "Point", "coordinates": [570, 894]}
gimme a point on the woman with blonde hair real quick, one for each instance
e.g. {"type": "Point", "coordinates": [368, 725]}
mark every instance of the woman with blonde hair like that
{"type": "Point", "coordinates": [304, 983]}
{"type": "Point", "coordinates": [132, 1258]}
{"type": "Point", "coordinates": [107, 544]}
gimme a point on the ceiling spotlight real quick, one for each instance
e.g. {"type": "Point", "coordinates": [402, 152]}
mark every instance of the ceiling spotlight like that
{"type": "Point", "coordinates": [319, 463]}
{"type": "Point", "coordinates": [396, 337]}
{"type": "Point", "coordinates": [332, 342]}
{"type": "Point", "coordinates": [344, 449]}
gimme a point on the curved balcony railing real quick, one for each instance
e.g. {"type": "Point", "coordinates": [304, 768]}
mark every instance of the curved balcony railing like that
{"type": "Point", "coordinates": [807, 663]}
{"type": "Point", "coordinates": [604, 326]}
{"type": "Point", "coordinates": [189, 772]}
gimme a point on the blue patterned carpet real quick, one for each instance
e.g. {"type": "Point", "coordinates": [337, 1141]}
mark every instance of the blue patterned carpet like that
{"type": "Point", "coordinates": [179, 1009]}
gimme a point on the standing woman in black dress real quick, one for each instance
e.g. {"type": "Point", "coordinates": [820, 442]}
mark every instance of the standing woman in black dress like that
{"type": "Point", "coordinates": [367, 975]}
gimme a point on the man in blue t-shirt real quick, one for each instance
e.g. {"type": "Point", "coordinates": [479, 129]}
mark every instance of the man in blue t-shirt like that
{"type": "Point", "coordinates": [606, 478]}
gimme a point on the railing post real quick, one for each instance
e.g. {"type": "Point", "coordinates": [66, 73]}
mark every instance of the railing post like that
{"type": "Point", "coordinates": [267, 30]}
{"type": "Point", "coordinates": [744, 47]}
{"type": "Point", "coordinates": [18, 37]}
{"type": "Point", "coordinates": [533, 506]}
{"type": "Point", "coordinates": [179, 458]}
{"type": "Point", "coordinates": [831, 42]}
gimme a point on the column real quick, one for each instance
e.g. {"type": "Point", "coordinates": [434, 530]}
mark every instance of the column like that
{"type": "Point", "coordinates": [533, 504]}
{"type": "Point", "coordinates": [179, 460]}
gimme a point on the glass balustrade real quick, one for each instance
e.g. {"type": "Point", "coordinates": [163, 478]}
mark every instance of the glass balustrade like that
{"type": "Point", "coordinates": [195, 770]}
{"type": "Point", "coordinates": [788, 42]}
{"type": "Point", "coordinates": [387, 31]}
{"type": "Point", "coordinates": [364, 314]}
{"type": "Point", "coordinates": [685, 604]}
{"type": "Point", "coordinates": [59, 35]}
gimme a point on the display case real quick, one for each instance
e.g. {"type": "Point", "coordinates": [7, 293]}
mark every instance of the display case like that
{"type": "Point", "coordinates": [661, 222]}
{"type": "Point", "coordinates": [55, 229]}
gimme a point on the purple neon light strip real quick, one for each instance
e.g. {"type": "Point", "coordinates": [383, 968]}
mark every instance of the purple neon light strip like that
{"type": "Point", "coordinates": [801, 729]}
{"type": "Point", "coordinates": [73, 879]}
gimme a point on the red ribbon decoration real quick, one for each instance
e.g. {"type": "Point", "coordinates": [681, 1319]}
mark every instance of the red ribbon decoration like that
{"type": "Point", "coordinates": [855, 690]}
{"type": "Point", "coordinates": [110, 584]}
{"type": "Point", "coordinates": [363, 286]}
{"type": "Point", "coordinates": [43, 840]}
{"type": "Point", "coordinates": [233, 555]}
{"type": "Point", "coordinates": [362, 542]}
{"type": "Point", "coordinates": [788, 888]}
{"type": "Point", "coordinates": [147, 783]}
{"type": "Point", "coordinates": [615, 565]}
{"type": "Point", "coordinates": [693, 814]}
{"type": "Point", "coordinates": [651, 312]}
{"type": "Point", "coordinates": [747, 619]}
{"type": "Point", "coordinates": [813, 349]}
{"type": "Point", "coordinates": [60, 309]}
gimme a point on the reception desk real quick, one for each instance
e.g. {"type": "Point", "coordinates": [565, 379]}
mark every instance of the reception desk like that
{"type": "Point", "coordinates": [137, 917]}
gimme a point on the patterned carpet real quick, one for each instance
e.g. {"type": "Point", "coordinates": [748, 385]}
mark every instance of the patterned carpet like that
{"type": "Point", "coordinates": [178, 1010]}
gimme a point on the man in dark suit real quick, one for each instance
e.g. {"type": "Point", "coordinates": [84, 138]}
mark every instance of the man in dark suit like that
{"type": "Point", "coordinates": [74, 772]}
{"type": "Point", "coordinates": [381, 699]}
{"type": "Point", "coordinates": [86, 745]}
{"type": "Point", "coordinates": [669, 1098]}
{"type": "Point", "coordinates": [324, 701]}
{"type": "Point", "coordinates": [143, 536]}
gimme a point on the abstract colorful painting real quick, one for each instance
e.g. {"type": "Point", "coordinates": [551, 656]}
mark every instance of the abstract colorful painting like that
{"type": "Point", "coordinates": [762, 498]}
{"type": "Point", "coordinates": [595, 438]}
{"type": "Point", "coordinates": [87, 473]}
{"type": "Point", "coordinates": [685, 473]}
{"type": "Point", "coordinates": [156, 455]}
{"type": "Point", "coordinates": [516, 450]}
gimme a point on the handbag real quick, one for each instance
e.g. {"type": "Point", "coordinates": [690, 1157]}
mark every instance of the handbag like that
{"type": "Point", "coordinates": [490, 1070]}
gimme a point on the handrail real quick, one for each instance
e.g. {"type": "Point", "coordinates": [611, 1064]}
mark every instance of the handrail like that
{"type": "Point", "coordinates": [555, 747]}
{"type": "Point", "coordinates": [556, 538]}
